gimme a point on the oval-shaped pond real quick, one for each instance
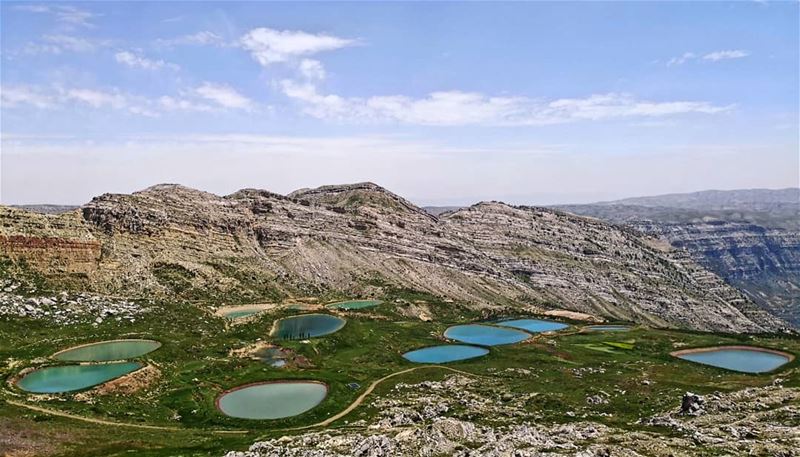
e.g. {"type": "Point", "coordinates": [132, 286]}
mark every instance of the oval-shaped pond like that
{"type": "Point", "coordinates": [73, 377]}
{"type": "Point", "coordinates": [607, 328]}
{"type": "Point", "coordinates": [105, 351]}
{"type": "Point", "coordinates": [354, 304]}
{"type": "Point", "coordinates": [272, 400]}
{"type": "Point", "coordinates": [445, 353]}
{"type": "Point", "coordinates": [307, 326]}
{"type": "Point", "coordinates": [534, 325]}
{"type": "Point", "coordinates": [746, 359]}
{"type": "Point", "coordinates": [239, 313]}
{"type": "Point", "coordinates": [485, 335]}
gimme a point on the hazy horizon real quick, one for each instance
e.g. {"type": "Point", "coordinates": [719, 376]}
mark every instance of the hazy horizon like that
{"type": "Point", "coordinates": [540, 200]}
{"type": "Point", "coordinates": [442, 103]}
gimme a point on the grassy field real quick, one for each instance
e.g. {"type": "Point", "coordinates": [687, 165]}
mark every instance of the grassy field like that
{"type": "Point", "coordinates": [196, 366]}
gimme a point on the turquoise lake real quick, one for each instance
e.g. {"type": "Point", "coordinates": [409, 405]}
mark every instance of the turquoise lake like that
{"type": "Point", "coordinates": [272, 400]}
{"type": "Point", "coordinates": [534, 325]}
{"type": "Point", "coordinates": [485, 335]}
{"type": "Point", "coordinates": [738, 359]}
{"type": "Point", "coordinates": [74, 377]}
{"type": "Point", "coordinates": [106, 351]}
{"type": "Point", "coordinates": [445, 353]}
{"type": "Point", "coordinates": [308, 326]}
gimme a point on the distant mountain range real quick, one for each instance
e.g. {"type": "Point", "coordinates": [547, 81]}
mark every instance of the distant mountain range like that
{"type": "Point", "coordinates": [182, 244]}
{"type": "Point", "coordinates": [751, 238]}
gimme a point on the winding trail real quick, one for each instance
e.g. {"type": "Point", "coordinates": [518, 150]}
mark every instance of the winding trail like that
{"type": "Point", "coordinates": [360, 399]}
{"type": "Point", "coordinates": [369, 390]}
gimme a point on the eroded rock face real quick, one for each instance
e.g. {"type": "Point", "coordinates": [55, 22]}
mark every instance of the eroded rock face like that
{"type": "Point", "coordinates": [169, 240]}
{"type": "Point", "coordinates": [750, 238]}
{"type": "Point", "coordinates": [756, 421]}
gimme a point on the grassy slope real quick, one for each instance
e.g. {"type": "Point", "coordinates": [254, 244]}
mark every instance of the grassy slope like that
{"type": "Point", "coordinates": [196, 368]}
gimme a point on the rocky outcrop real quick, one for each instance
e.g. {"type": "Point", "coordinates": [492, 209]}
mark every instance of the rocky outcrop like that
{"type": "Point", "coordinates": [172, 241]}
{"type": "Point", "coordinates": [754, 421]}
{"type": "Point", "coordinates": [750, 238]}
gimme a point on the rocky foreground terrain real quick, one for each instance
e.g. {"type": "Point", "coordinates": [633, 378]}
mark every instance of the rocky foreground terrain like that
{"type": "Point", "coordinates": [170, 241]}
{"type": "Point", "coordinates": [749, 238]}
{"type": "Point", "coordinates": [449, 418]}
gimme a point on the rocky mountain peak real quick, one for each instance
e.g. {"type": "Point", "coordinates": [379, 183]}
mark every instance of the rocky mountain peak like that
{"type": "Point", "coordinates": [357, 196]}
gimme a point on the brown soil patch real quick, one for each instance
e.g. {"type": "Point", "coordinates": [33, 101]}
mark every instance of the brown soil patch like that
{"type": "Point", "coordinates": [573, 315]}
{"type": "Point", "coordinates": [23, 438]}
{"type": "Point", "coordinates": [124, 385]}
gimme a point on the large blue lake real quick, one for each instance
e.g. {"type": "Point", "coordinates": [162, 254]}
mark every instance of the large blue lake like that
{"type": "Point", "coordinates": [445, 353]}
{"type": "Point", "coordinates": [485, 335]}
{"type": "Point", "coordinates": [737, 359]}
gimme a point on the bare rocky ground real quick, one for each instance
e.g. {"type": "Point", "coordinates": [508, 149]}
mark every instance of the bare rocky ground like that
{"type": "Point", "coordinates": [451, 418]}
{"type": "Point", "coordinates": [65, 308]}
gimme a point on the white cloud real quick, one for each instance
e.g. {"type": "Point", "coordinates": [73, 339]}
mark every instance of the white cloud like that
{"type": "Point", "coordinates": [470, 108]}
{"type": "Point", "coordinates": [711, 56]}
{"type": "Point", "coordinates": [270, 46]}
{"type": "Point", "coordinates": [200, 38]}
{"type": "Point", "coordinates": [181, 104]}
{"type": "Point", "coordinates": [193, 100]}
{"type": "Point", "coordinates": [65, 14]}
{"type": "Point", "coordinates": [725, 55]}
{"type": "Point", "coordinates": [14, 96]}
{"type": "Point", "coordinates": [57, 97]}
{"type": "Point", "coordinates": [311, 69]}
{"type": "Point", "coordinates": [58, 43]}
{"type": "Point", "coordinates": [682, 59]}
{"type": "Point", "coordinates": [224, 96]}
{"type": "Point", "coordinates": [96, 98]}
{"type": "Point", "coordinates": [136, 61]}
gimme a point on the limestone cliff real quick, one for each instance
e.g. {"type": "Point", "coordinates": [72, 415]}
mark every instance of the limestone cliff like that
{"type": "Point", "coordinates": [177, 242]}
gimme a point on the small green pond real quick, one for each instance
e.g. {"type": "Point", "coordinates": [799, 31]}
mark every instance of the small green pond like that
{"type": "Point", "coordinates": [74, 377]}
{"type": "Point", "coordinates": [106, 351]}
{"type": "Point", "coordinates": [272, 400]}
{"type": "Point", "coordinates": [307, 326]}
{"type": "Point", "coordinates": [354, 304]}
{"type": "Point", "coordinates": [607, 328]}
{"type": "Point", "coordinates": [238, 314]}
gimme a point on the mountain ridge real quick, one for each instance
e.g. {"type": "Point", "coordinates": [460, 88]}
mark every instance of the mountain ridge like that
{"type": "Point", "coordinates": [361, 239]}
{"type": "Point", "coordinates": [751, 238]}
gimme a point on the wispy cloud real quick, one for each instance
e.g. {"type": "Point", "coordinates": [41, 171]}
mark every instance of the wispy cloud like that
{"type": "Point", "coordinates": [195, 39]}
{"type": "Point", "coordinates": [685, 57]}
{"type": "Point", "coordinates": [182, 104]}
{"type": "Point", "coordinates": [57, 97]}
{"type": "Point", "coordinates": [470, 108]}
{"type": "Point", "coordinates": [65, 14]}
{"type": "Point", "coordinates": [269, 46]}
{"type": "Point", "coordinates": [14, 96]}
{"type": "Point", "coordinates": [60, 43]}
{"type": "Point", "coordinates": [710, 57]}
{"type": "Point", "coordinates": [134, 60]}
{"type": "Point", "coordinates": [726, 55]}
{"type": "Point", "coordinates": [225, 96]}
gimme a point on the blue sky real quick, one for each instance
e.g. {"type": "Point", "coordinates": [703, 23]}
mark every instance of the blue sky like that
{"type": "Point", "coordinates": [444, 103]}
